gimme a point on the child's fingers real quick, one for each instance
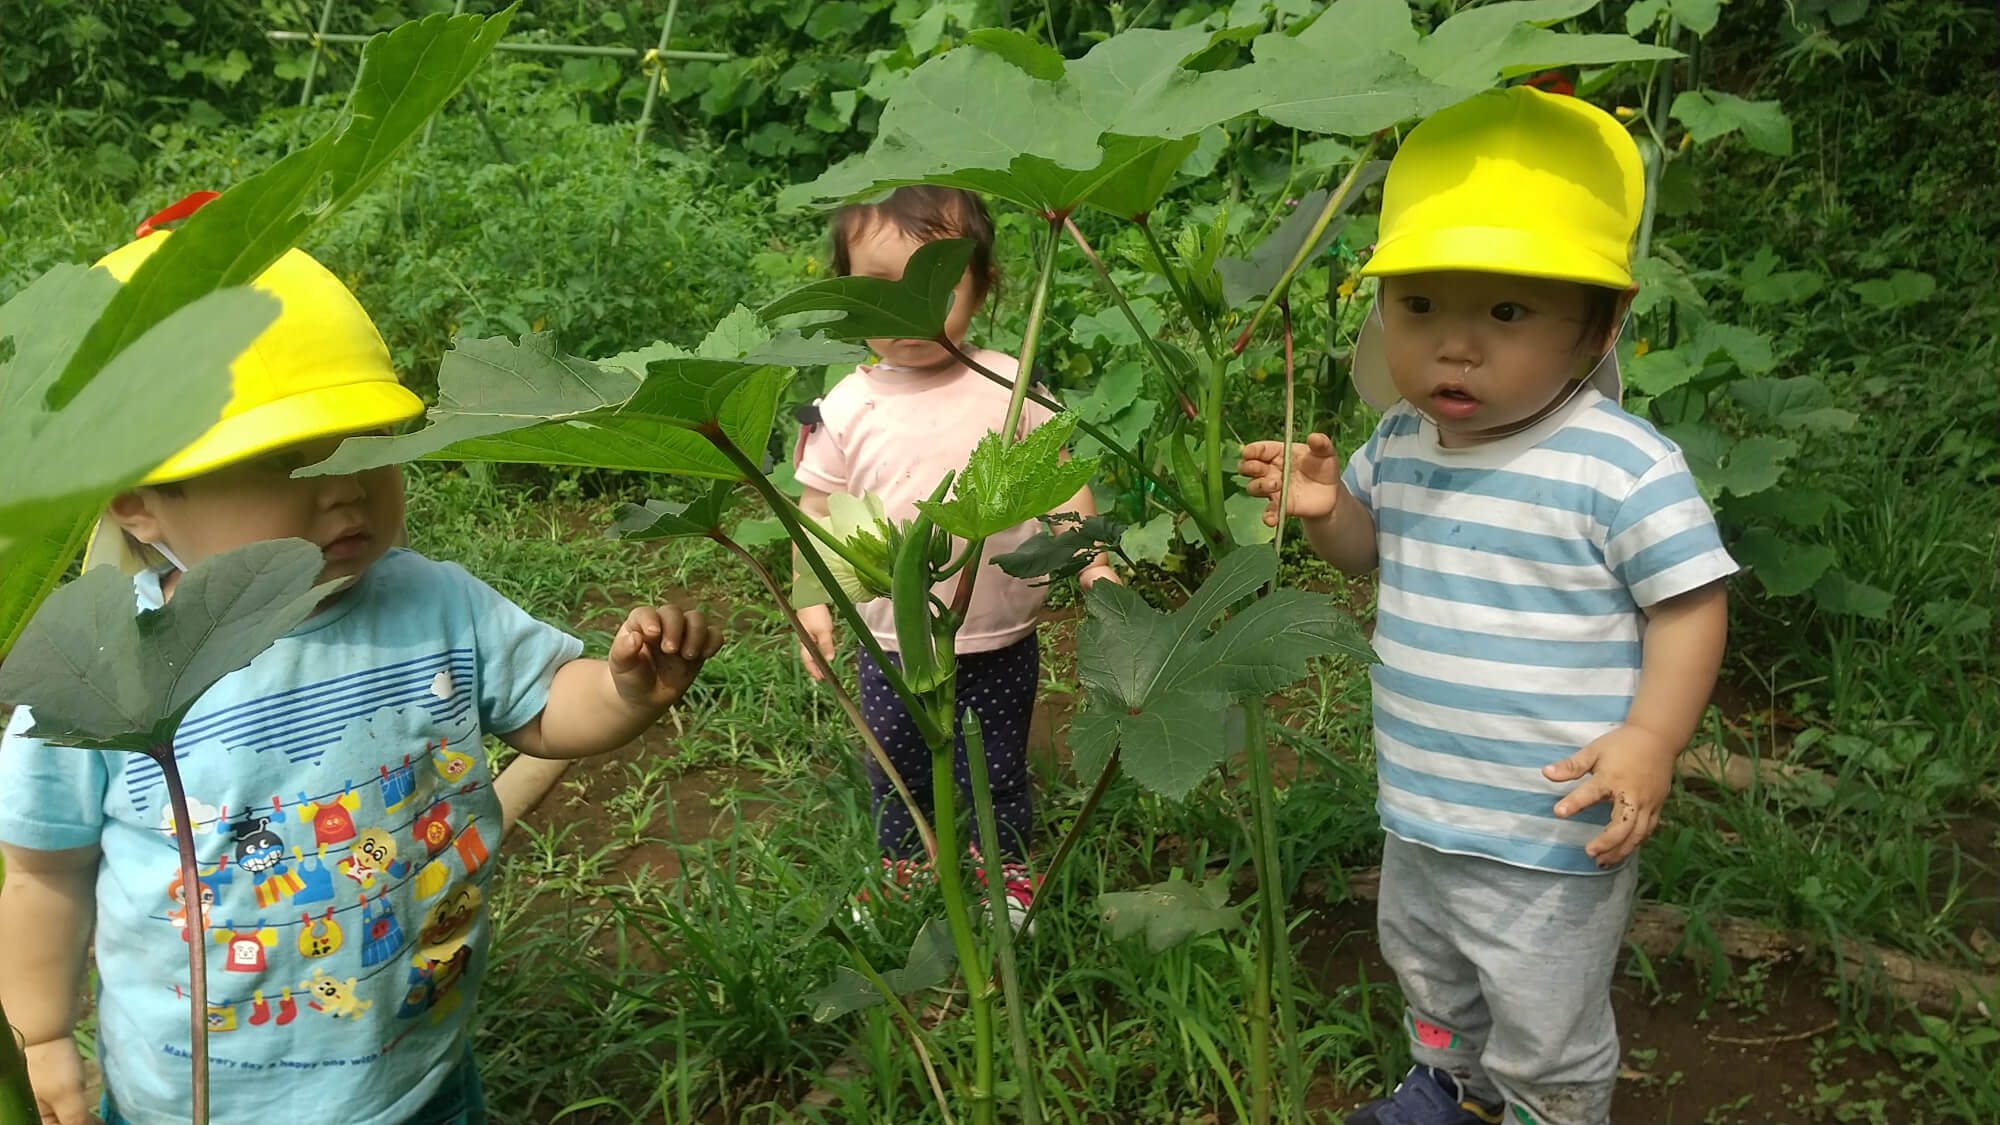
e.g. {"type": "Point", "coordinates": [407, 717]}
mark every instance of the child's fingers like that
{"type": "Point", "coordinates": [1581, 798]}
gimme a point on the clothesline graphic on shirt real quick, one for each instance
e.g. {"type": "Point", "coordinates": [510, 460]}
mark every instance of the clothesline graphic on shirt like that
{"type": "Point", "coordinates": [371, 853]}
{"type": "Point", "coordinates": [323, 928]}
{"type": "Point", "coordinates": [442, 957]}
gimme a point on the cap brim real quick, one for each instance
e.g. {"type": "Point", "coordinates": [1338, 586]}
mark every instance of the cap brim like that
{"type": "Point", "coordinates": [1495, 250]}
{"type": "Point", "coordinates": [350, 408]}
{"type": "Point", "coordinates": [1370, 370]}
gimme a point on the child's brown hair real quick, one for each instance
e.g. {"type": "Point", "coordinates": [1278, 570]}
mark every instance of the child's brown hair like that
{"type": "Point", "coordinates": [926, 213]}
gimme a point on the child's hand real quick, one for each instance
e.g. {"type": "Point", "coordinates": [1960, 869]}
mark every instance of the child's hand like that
{"type": "Point", "coordinates": [1631, 767]}
{"type": "Point", "coordinates": [818, 622]}
{"type": "Point", "coordinates": [55, 1070]}
{"type": "Point", "coordinates": [1315, 476]}
{"type": "Point", "coordinates": [658, 652]}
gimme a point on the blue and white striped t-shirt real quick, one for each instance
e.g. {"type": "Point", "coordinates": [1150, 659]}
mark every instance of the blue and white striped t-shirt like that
{"type": "Point", "coordinates": [1513, 579]}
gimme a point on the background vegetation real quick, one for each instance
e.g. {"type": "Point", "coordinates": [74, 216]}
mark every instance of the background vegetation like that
{"type": "Point", "coordinates": [1835, 302]}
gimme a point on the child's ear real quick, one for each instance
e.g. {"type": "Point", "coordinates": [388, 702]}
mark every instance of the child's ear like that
{"type": "Point", "coordinates": [134, 514]}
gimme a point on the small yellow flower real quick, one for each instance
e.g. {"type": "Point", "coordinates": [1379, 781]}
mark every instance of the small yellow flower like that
{"type": "Point", "coordinates": [1260, 374]}
{"type": "Point", "coordinates": [1347, 288]}
{"type": "Point", "coordinates": [1625, 112]}
{"type": "Point", "coordinates": [1686, 140]}
{"type": "Point", "coordinates": [539, 322]}
{"type": "Point", "coordinates": [1644, 345]}
{"type": "Point", "coordinates": [812, 266]}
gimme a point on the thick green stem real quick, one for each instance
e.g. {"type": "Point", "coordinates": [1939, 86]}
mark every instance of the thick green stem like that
{"type": "Point", "coordinates": [1334, 205]}
{"type": "Point", "coordinates": [1271, 939]}
{"type": "Point", "coordinates": [972, 963]}
{"type": "Point", "coordinates": [1068, 843]}
{"type": "Point", "coordinates": [1218, 366]}
{"type": "Point", "coordinates": [1285, 467]}
{"type": "Point", "coordinates": [781, 507]}
{"type": "Point", "coordinates": [1038, 306]}
{"type": "Point", "coordinates": [1188, 307]}
{"type": "Point", "coordinates": [1663, 96]}
{"type": "Point", "coordinates": [1152, 346]}
{"type": "Point", "coordinates": [1001, 924]}
{"type": "Point", "coordinates": [840, 695]}
{"type": "Point", "coordinates": [197, 928]}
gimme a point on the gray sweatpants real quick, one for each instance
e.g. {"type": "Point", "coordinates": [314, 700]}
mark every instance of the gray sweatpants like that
{"type": "Point", "coordinates": [1507, 973]}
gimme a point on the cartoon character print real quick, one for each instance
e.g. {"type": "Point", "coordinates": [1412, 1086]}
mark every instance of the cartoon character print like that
{"type": "Point", "coordinates": [245, 948]}
{"type": "Point", "coordinates": [382, 936]}
{"type": "Point", "coordinates": [335, 997]}
{"type": "Point", "coordinates": [177, 913]}
{"type": "Point", "coordinates": [261, 852]}
{"type": "Point", "coordinates": [433, 829]}
{"type": "Point", "coordinates": [445, 925]}
{"type": "Point", "coordinates": [454, 766]}
{"type": "Point", "coordinates": [372, 855]}
{"type": "Point", "coordinates": [332, 821]}
{"type": "Point", "coordinates": [319, 937]}
{"type": "Point", "coordinates": [433, 986]}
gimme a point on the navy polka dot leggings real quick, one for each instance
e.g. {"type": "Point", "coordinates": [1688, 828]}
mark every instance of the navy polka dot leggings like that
{"type": "Point", "coordinates": [999, 687]}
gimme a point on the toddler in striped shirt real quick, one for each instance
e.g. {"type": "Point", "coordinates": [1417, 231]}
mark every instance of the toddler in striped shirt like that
{"type": "Point", "coordinates": [1550, 616]}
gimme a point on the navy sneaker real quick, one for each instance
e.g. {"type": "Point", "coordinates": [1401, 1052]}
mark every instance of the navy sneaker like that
{"type": "Point", "coordinates": [1427, 1096]}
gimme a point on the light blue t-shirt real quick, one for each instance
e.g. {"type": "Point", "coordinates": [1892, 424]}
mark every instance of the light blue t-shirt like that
{"type": "Point", "coordinates": [1510, 613]}
{"type": "Point", "coordinates": [343, 820]}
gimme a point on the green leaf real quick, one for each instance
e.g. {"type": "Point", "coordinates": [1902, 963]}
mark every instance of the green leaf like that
{"type": "Point", "coordinates": [675, 519]}
{"type": "Point", "coordinates": [1343, 74]}
{"type": "Point", "coordinates": [930, 963]}
{"type": "Point", "coordinates": [1245, 516]}
{"type": "Point", "coordinates": [913, 307]}
{"type": "Point", "coordinates": [1108, 326]}
{"type": "Point", "coordinates": [1753, 464]}
{"type": "Point", "coordinates": [1749, 350]}
{"type": "Point", "coordinates": [99, 676]}
{"type": "Point", "coordinates": [1659, 371]}
{"type": "Point", "coordinates": [1023, 50]}
{"type": "Point", "coordinates": [1698, 16]}
{"type": "Point", "coordinates": [34, 565]}
{"type": "Point", "coordinates": [1007, 483]}
{"type": "Point", "coordinates": [1160, 685]}
{"type": "Point", "coordinates": [1797, 403]}
{"type": "Point", "coordinates": [1169, 913]}
{"type": "Point", "coordinates": [405, 76]}
{"type": "Point", "coordinates": [1660, 281]}
{"type": "Point", "coordinates": [1151, 541]}
{"type": "Point", "coordinates": [122, 424]}
{"type": "Point", "coordinates": [528, 403]}
{"type": "Point", "coordinates": [1643, 14]}
{"type": "Point", "coordinates": [1709, 114]}
{"type": "Point", "coordinates": [1785, 568]}
{"type": "Point", "coordinates": [1246, 279]}
{"type": "Point", "coordinates": [1762, 285]}
{"type": "Point", "coordinates": [1837, 593]}
{"type": "Point", "coordinates": [1479, 46]}
{"type": "Point", "coordinates": [760, 533]}
{"type": "Point", "coordinates": [1899, 290]}
{"type": "Point", "coordinates": [1057, 555]}
{"type": "Point", "coordinates": [1133, 85]}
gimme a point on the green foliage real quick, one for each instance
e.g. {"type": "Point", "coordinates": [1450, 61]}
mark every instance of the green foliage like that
{"type": "Point", "coordinates": [1159, 685]}
{"type": "Point", "coordinates": [911, 307]}
{"type": "Point", "coordinates": [101, 677]}
{"type": "Point", "coordinates": [1170, 913]}
{"type": "Point", "coordinates": [930, 964]}
{"type": "Point", "coordinates": [1006, 483]}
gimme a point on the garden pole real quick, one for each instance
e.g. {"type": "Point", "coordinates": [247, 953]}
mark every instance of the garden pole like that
{"type": "Point", "coordinates": [312, 61]}
{"type": "Point", "coordinates": [653, 79]}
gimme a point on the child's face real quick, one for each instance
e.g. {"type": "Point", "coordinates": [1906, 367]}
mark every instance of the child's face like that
{"type": "Point", "coordinates": [353, 519]}
{"type": "Point", "coordinates": [1479, 353]}
{"type": "Point", "coordinates": [881, 250]}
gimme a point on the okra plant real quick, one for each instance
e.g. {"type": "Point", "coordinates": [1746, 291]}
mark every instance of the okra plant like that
{"type": "Point", "coordinates": [1006, 116]}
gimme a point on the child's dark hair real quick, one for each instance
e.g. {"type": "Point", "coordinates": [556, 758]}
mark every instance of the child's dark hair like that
{"type": "Point", "coordinates": [926, 213]}
{"type": "Point", "coordinates": [1600, 309]}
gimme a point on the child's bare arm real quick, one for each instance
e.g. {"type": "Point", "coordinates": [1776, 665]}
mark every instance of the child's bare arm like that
{"type": "Point", "coordinates": [596, 706]}
{"type": "Point", "coordinates": [47, 906]}
{"type": "Point", "coordinates": [1633, 765]}
{"type": "Point", "coordinates": [1340, 527]}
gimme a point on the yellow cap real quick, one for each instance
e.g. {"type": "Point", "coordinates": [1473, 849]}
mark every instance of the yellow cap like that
{"type": "Point", "coordinates": [1514, 181]}
{"type": "Point", "coordinates": [320, 369]}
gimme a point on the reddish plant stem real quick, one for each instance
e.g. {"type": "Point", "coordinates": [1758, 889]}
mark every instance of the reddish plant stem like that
{"type": "Point", "coordinates": [196, 931]}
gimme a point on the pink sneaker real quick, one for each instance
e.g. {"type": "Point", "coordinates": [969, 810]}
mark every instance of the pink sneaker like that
{"type": "Point", "coordinates": [1017, 883]}
{"type": "Point", "coordinates": [897, 880]}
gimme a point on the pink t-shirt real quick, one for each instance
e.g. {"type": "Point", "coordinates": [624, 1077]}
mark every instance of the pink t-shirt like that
{"type": "Point", "coordinates": [896, 434]}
